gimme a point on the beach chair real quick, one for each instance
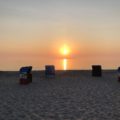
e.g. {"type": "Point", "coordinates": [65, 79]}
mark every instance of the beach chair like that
{"type": "Point", "coordinates": [50, 71]}
{"type": "Point", "coordinates": [96, 71]}
{"type": "Point", "coordinates": [25, 75]}
{"type": "Point", "coordinates": [118, 74]}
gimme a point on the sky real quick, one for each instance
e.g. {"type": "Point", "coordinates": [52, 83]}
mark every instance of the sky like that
{"type": "Point", "coordinates": [32, 32]}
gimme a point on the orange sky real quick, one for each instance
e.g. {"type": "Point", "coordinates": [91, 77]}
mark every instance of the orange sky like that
{"type": "Point", "coordinates": [33, 33]}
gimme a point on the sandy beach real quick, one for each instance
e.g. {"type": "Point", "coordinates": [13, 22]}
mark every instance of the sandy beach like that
{"type": "Point", "coordinates": [71, 95]}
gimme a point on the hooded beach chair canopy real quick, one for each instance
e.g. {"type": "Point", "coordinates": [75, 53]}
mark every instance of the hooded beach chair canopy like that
{"type": "Point", "coordinates": [26, 69]}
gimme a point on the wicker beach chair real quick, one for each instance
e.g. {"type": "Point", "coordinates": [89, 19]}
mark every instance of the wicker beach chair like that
{"type": "Point", "coordinates": [50, 71]}
{"type": "Point", "coordinates": [25, 75]}
{"type": "Point", "coordinates": [96, 71]}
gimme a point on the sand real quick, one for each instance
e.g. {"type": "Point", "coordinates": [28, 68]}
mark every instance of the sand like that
{"type": "Point", "coordinates": [71, 95]}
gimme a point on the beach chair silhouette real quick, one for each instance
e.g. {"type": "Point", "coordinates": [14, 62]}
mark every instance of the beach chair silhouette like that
{"type": "Point", "coordinates": [25, 75]}
{"type": "Point", "coordinates": [96, 70]}
{"type": "Point", "coordinates": [119, 74]}
{"type": "Point", "coordinates": [49, 71]}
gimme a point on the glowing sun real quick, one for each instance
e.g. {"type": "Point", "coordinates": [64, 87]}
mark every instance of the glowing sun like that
{"type": "Point", "coordinates": [65, 50]}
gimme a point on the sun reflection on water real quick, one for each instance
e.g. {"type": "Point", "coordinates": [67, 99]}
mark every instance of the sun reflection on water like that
{"type": "Point", "coordinates": [65, 64]}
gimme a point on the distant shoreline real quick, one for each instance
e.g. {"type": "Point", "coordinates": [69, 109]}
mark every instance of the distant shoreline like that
{"type": "Point", "coordinates": [59, 70]}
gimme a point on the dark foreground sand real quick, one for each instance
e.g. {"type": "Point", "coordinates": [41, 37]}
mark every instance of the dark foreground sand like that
{"type": "Point", "coordinates": [71, 95]}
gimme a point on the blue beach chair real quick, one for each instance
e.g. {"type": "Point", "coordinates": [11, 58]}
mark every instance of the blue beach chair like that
{"type": "Point", "coordinates": [50, 71]}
